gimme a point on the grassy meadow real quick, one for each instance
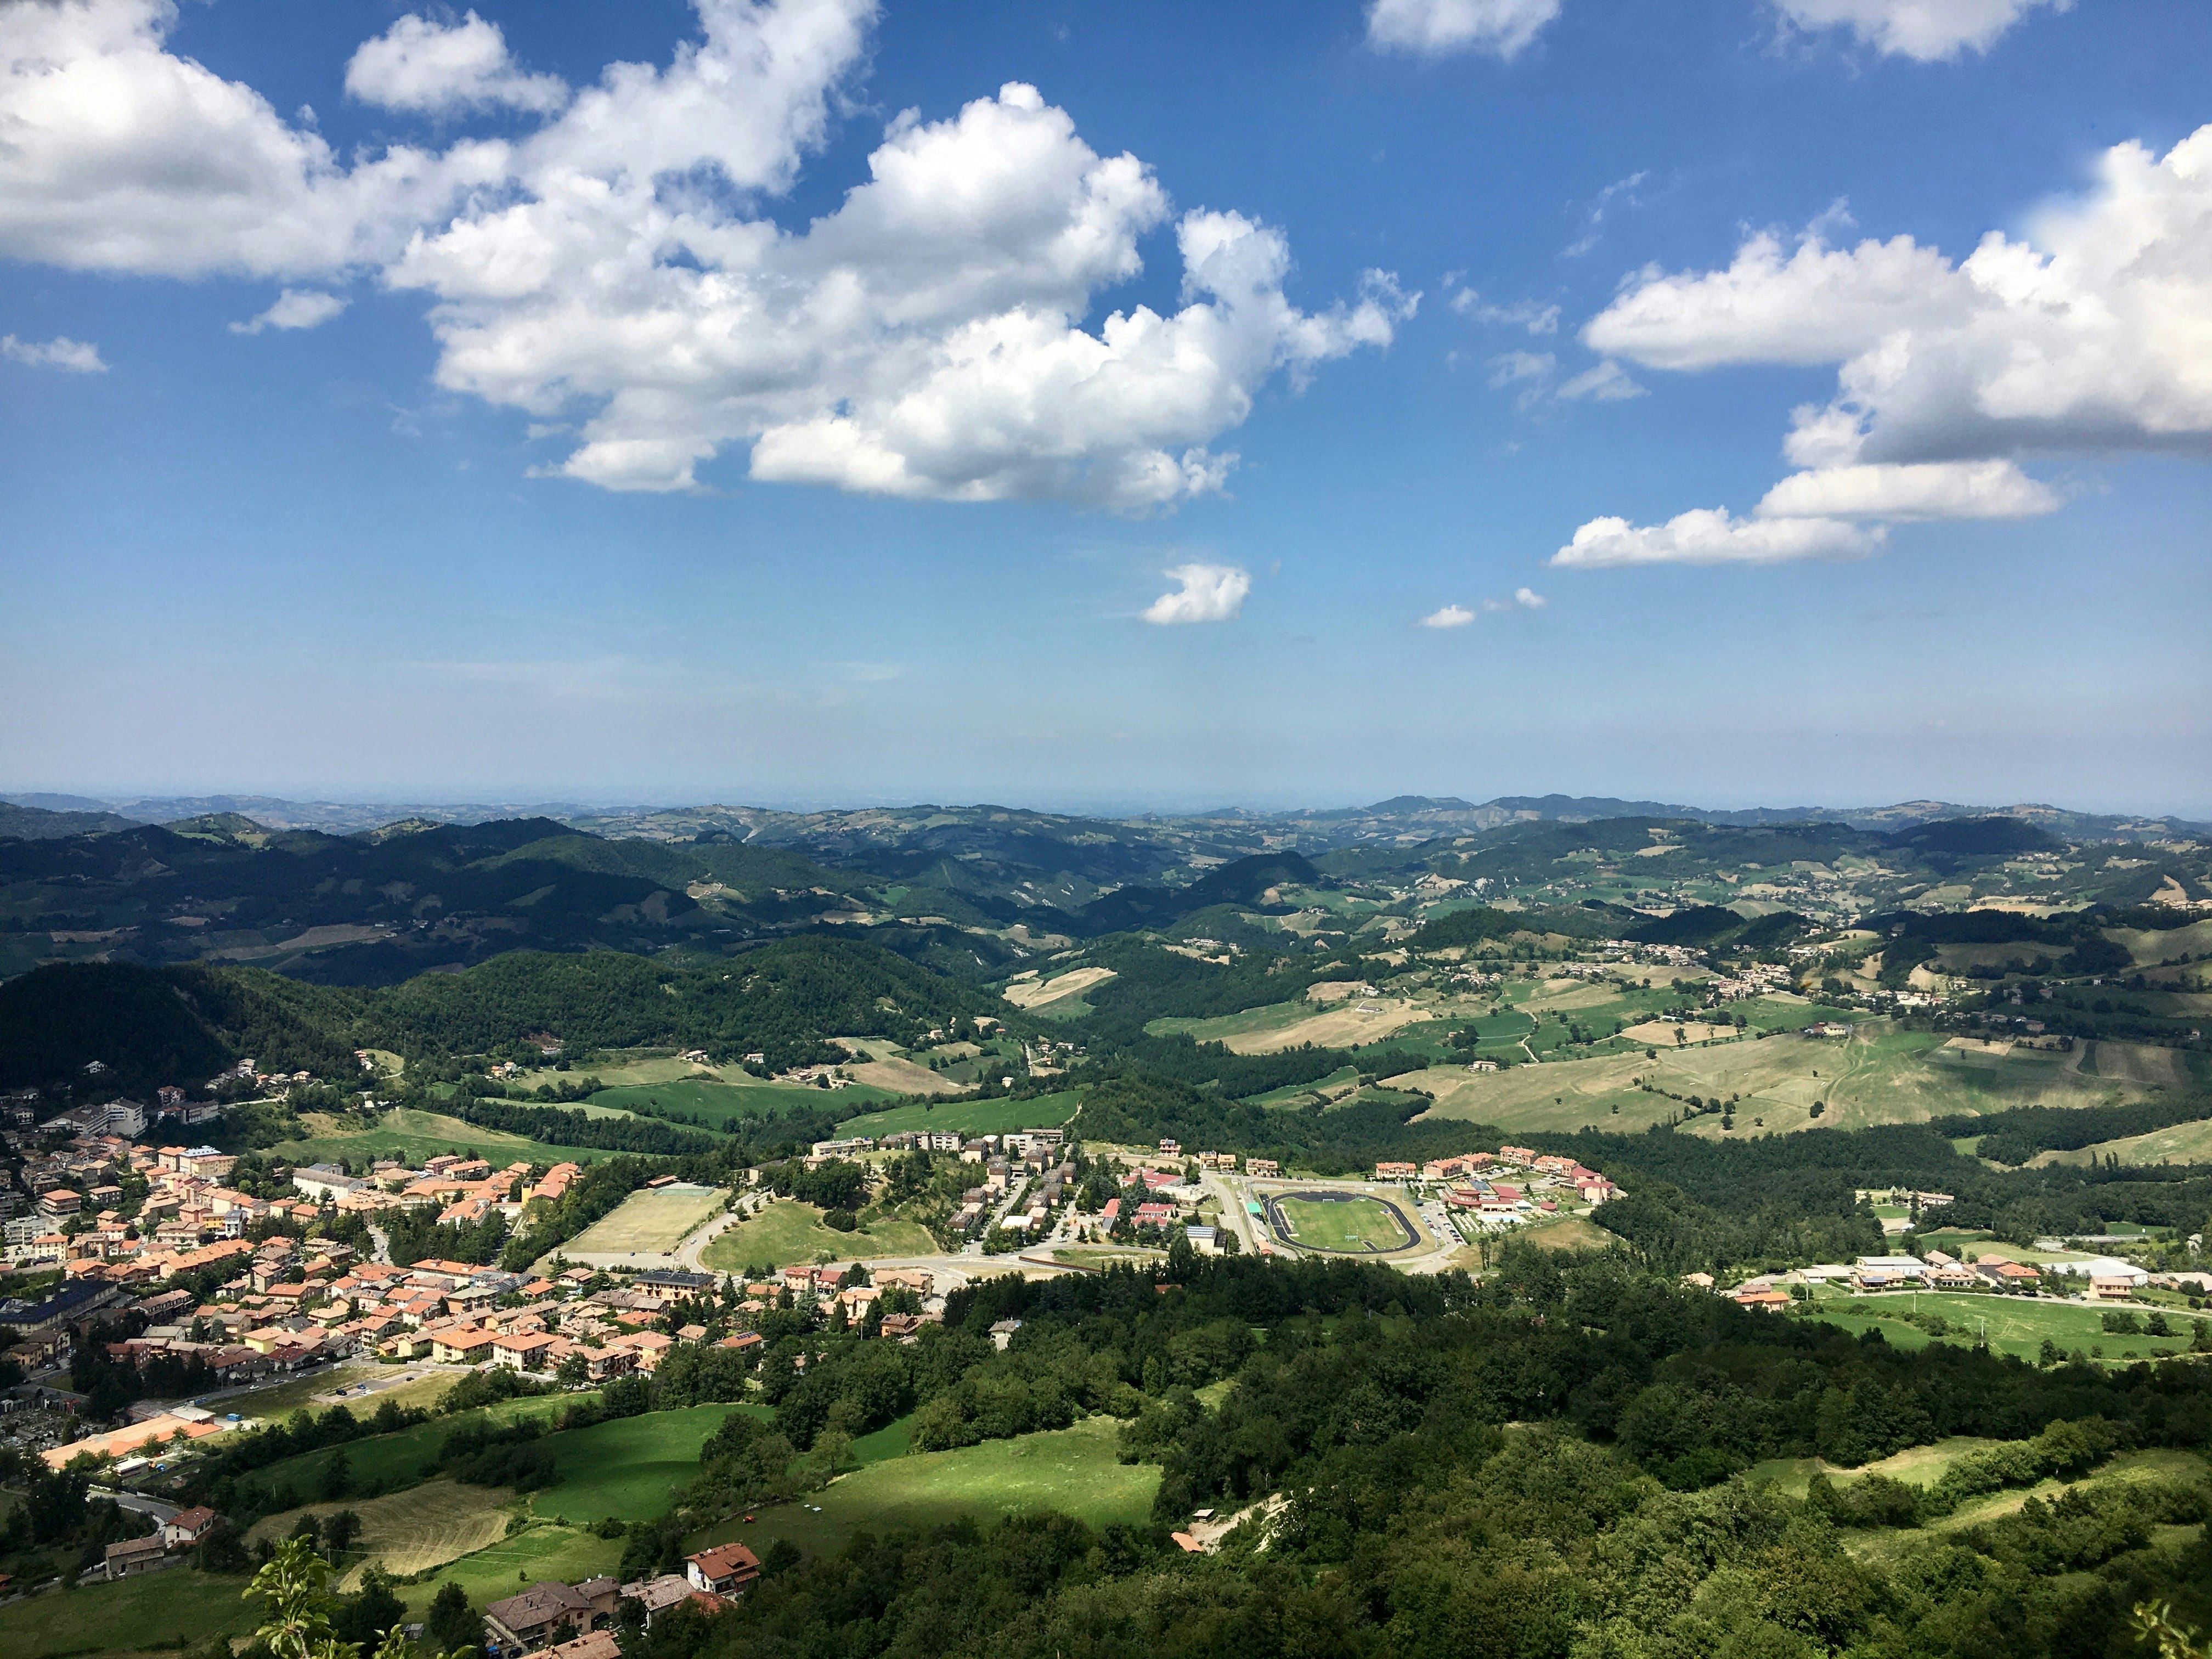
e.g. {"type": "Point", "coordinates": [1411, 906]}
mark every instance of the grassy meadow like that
{"type": "Point", "coordinates": [655, 1220]}
{"type": "Point", "coordinates": [163, 1610]}
{"type": "Point", "coordinates": [410, 1136]}
{"type": "Point", "coordinates": [2015, 1325]}
{"type": "Point", "coordinates": [1078, 1471]}
{"type": "Point", "coordinates": [970, 1117]}
{"type": "Point", "coordinates": [788, 1231]}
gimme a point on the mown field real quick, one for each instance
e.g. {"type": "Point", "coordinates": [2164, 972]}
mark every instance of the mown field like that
{"type": "Point", "coordinates": [410, 1136]}
{"type": "Point", "coordinates": [1077, 1471]}
{"type": "Point", "coordinates": [543, 1551]}
{"type": "Point", "coordinates": [168, 1609]}
{"type": "Point", "coordinates": [629, 1468]}
{"type": "Point", "coordinates": [406, 1532]}
{"type": "Point", "coordinates": [1881, 1074]}
{"type": "Point", "coordinates": [789, 1231]}
{"type": "Point", "coordinates": [970, 1117]}
{"type": "Point", "coordinates": [653, 1221]}
{"type": "Point", "coordinates": [2015, 1325]}
{"type": "Point", "coordinates": [1355, 1224]}
{"type": "Point", "coordinates": [721, 1103]}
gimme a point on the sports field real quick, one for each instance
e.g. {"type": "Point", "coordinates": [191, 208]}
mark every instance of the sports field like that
{"type": "Point", "coordinates": [788, 1231]}
{"type": "Point", "coordinates": [156, 1610]}
{"type": "Point", "coordinates": [1351, 1223]}
{"type": "Point", "coordinates": [648, 1221]}
{"type": "Point", "coordinates": [1077, 1471]}
{"type": "Point", "coordinates": [970, 1117]}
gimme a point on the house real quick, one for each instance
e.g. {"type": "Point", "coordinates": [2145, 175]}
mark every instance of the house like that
{"type": "Point", "coordinates": [1765, 1300]}
{"type": "Point", "coordinates": [1394, 1172]}
{"type": "Point", "coordinates": [669, 1285]}
{"type": "Point", "coordinates": [594, 1644]}
{"type": "Point", "coordinates": [525, 1351]}
{"type": "Point", "coordinates": [657, 1596]}
{"type": "Point", "coordinates": [2111, 1287]}
{"type": "Point", "coordinates": [135, 1555]}
{"type": "Point", "coordinates": [548, 1612]}
{"type": "Point", "coordinates": [187, 1527]}
{"type": "Point", "coordinates": [727, 1570]}
{"type": "Point", "coordinates": [467, 1345]}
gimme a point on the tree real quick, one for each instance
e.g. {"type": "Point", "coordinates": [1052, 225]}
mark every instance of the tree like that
{"type": "Point", "coordinates": [340, 1528]}
{"type": "Point", "coordinates": [294, 1590]}
{"type": "Point", "coordinates": [337, 1475]}
{"type": "Point", "coordinates": [452, 1625]}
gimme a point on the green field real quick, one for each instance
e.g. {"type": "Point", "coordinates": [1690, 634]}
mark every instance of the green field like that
{"type": "Point", "coordinates": [389, 1463]}
{"type": "Point", "coordinates": [789, 1231]}
{"type": "Point", "coordinates": [721, 1105]}
{"type": "Point", "coordinates": [405, 1532]}
{"type": "Point", "coordinates": [1355, 1224]}
{"type": "Point", "coordinates": [1882, 1074]}
{"type": "Point", "coordinates": [970, 1117]}
{"type": "Point", "coordinates": [629, 1468]}
{"type": "Point", "coordinates": [1077, 1471]}
{"type": "Point", "coordinates": [545, 1551]}
{"type": "Point", "coordinates": [651, 1221]}
{"type": "Point", "coordinates": [411, 1136]}
{"type": "Point", "coordinates": [2015, 1324]}
{"type": "Point", "coordinates": [159, 1609]}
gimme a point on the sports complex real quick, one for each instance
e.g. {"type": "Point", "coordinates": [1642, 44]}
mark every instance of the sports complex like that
{"type": "Point", "coordinates": [1336, 1222]}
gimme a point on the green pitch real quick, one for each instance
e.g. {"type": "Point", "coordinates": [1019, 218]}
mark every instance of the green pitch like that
{"type": "Point", "coordinates": [1349, 1223]}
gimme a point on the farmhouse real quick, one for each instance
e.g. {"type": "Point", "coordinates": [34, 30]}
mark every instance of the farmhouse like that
{"type": "Point", "coordinates": [727, 1570]}
{"type": "Point", "coordinates": [548, 1612]}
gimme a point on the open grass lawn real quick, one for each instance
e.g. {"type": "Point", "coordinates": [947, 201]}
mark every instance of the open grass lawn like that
{"type": "Point", "coordinates": [412, 1136]}
{"type": "Point", "coordinates": [545, 1551]}
{"type": "Point", "coordinates": [720, 1104]}
{"type": "Point", "coordinates": [158, 1609]}
{"type": "Point", "coordinates": [1076, 1471]}
{"type": "Point", "coordinates": [1916, 1466]}
{"type": "Point", "coordinates": [2016, 1325]}
{"type": "Point", "coordinates": [788, 1231]}
{"type": "Point", "coordinates": [630, 1469]}
{"type": "Point", "coordinates": [1352, 1224]}
{"type": "Point", "coordinates": [653, 1221]}
{"type": "Point", "coordinates": [970, 1117]}
{"type": "Point", "coordinates": [1271, 1017]}
{"type": "Point", "coordinates": [282, 1399]}
{"type": "Point", "coordinates": [404, 1532]}
{"type": "Point", "coordinates": [1298, 1094]}
{"type": "Point", "coordinates": [1573, 1233]}
{"type": "Point", "coordinates": [391, 1462]}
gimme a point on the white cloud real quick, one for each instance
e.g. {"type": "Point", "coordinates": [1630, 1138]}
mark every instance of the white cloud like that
{"type": "Point", "coordinates": [1512, 368]}
{"type": "Point", "coordinates": [1206, 592]}
{"type": "Point", "coordinates": [295, 308]}
{"type": "Point", "coordinates": [1437, 28]}
{"type": "Point", "coordinates": [1618, 187]}
{"type": "Point", "coordinates": [1452, 615]}
{"type": "Point", "coordinates": [70, 356]}
{"type": "Point", "coordinates": [1709, 536]}
{"type": "Point", "coordinates": [1927, 31]}
{"type": "Point", "coordinates": [1522, 313]}
{"type": "Point", "coordinates": [1929, 489]}
{"type": "Point", "coordinates": [933, 336]}
{"type": "Point", "coordinates": [2091, 333]}
{"type": "Point", "coordinates": [123, 157]}
{"type": "Point", "coordinates": [1529, 600]}
{"type": "Point", "coordinates": [441, 68]}
{"type": "Point", "coordinates": [1608, 383]}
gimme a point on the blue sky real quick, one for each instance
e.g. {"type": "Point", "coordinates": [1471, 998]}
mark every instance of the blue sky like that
{"type": "Point", "coordinates": [606, 448]}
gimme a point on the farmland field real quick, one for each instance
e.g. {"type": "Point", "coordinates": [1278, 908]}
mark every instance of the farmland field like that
{"type": "Point", "coordinates": [2016, 1325]}
{"type": "Point", "coordinates": [720, 1104]}
{"type": "Point", "coordinates": [651, 1221]}
{"type": "Point", "coordinates": [411, 1136]}
{"type": "Point", "coordinates": [2183, 1143]}
{"type": "Point", "coordinates": [970, 1117]}
{"type": "Point", "coordinates": [159, 1609]}
{"type": "Point", "coordinates": [1351, 1223]}
{"type": "Point", "coordinates": [391, 1461]}
{"type": "Point", "coordinates": [1077, 1471]}
{"type": "Point", "coordinates": [544, 1550]}
{"type": "Point", "coordinates": [1882, 1074]}
{"type": "Point", "coordinates": [791, 1232]}
{"type": "Point", "coordinates": [405, 1532]}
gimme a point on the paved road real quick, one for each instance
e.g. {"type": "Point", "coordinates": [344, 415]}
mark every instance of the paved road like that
{"type": "Point", "coordinates": [136, 1502]}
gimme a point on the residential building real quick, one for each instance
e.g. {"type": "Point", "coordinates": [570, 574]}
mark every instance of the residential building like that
{"type": "Point", "coordinates": [727, 1570]}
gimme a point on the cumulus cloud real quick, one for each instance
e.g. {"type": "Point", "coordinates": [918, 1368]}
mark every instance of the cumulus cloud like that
{"type": "Point", "coordinates": [2090, 333]}
{"type": "Point", "coordinates": [295, 308]}
{"type": "Point", "coordinates": [1929, 489]}
{"type": "Point", "coordinates": [1435, 28]}
{"type": "Point", "coordinates": [441, 68]}
{"type": "Point", "coordinates": [1710, 536]}
{"type": "Point", "coordinates": [1927, 31]}
{"type": "Point", "coordinates": [1204, 593]}
{"type": "Point", "coordinates": [933, 336]}
{"type": "Point", "coordinates": [1529, 600]}
{"type": "Point", "coordinates": [1452, 615]}
{"type": "Point", "coordinates": [70, 356]}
